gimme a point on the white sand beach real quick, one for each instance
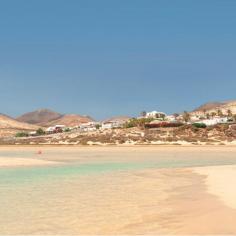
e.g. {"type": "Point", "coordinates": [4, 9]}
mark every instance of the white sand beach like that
{"type": "Point", "coordinates": [221, 182]}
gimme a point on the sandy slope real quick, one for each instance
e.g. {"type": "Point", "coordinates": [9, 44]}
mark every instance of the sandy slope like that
{"type": "Point", "coordinates": [7, 122]}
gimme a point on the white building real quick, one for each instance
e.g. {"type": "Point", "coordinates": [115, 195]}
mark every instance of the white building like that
{"type": "Point", "coordinates": [214, 121]}
{"type": "Point", "coordinates": [155, 114]}
{"type": "Point", "coordinates": [112, 124]}
{"type": "Point", "coordinates": [90, 126]}
{"type": "Point", "coordinates": [52, 129]}
{"type": "Point", "coordinates": [115, 122]}
{"type": "Point", "coordinates": [32, 133]}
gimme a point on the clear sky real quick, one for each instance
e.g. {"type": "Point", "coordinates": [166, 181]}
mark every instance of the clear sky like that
{"type": "Point", "coordinates": [116, 57]}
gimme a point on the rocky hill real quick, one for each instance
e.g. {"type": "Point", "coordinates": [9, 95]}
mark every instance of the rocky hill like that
{"type": "Point", "coordinates": [39, 116]}
{"type": "Point", "coordinates": [215, 106]}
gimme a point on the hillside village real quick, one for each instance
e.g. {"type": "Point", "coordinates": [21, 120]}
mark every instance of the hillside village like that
{"type": "Point", "coordinates": [207, 124]}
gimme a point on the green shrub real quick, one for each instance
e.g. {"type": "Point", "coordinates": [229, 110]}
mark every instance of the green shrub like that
{"type": "Point", "coordinates": [40, 131]}
{"type": "Point", "coordinates": [199, 125]}
{"type": "Point", "coordinates": [98, 126]}
{"type": "Point", "coordinates": [67, 130]}
{"type": "Point", "coordinates": [21, 134]}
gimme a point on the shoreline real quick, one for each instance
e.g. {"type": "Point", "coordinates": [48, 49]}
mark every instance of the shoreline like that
{"type": "Point", "coordinates": [121, 145]}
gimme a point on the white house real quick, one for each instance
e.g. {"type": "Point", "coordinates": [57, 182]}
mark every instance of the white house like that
{"type": "Point", "coordinates": [155, 114]}
{"type": "Point", "coordinates": [214, 121]}
{"type": "Point", "coordinates": [115, 122]}
{"type": "Point", "coordinates": [52, 129]}
{"type": "Point", "coordinates": [60, 126]}
{"type": "Point", "coordinates": [112, 124]}
{"type": "Point", "coordinates": [90, 126]}
{"type": "Point", "coordinates": [32, 133]}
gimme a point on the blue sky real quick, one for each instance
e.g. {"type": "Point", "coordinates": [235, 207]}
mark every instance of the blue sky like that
{"type": "Point", "coordinates": [107, 58]}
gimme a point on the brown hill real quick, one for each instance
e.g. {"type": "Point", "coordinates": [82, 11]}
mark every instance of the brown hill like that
{"type": "Point", "coordinates": [215, 106]}
{"type": "Point", "coordinates": [39, 116]}
{"type": "Point", "coordinates": [209, 106]}
{"type": "Point", "coordinates": [69, 120]}
{"type": "Point", "coordinates": [10, 126]}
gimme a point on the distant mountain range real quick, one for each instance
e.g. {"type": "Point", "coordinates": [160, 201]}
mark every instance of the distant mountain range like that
{"type": "Point", "coordinates": [40, 118]}
{"type": "Point", "coordinates": [45, 118]}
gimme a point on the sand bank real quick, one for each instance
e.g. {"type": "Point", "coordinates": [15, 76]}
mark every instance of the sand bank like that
{"type": "Point", "coordinates": [13, 162]}
{"type": "Point", "coordinates": [220, 181]}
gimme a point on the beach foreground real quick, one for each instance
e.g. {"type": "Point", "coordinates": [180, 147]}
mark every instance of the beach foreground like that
{"type": "Point", "coordinates": [114, 190]}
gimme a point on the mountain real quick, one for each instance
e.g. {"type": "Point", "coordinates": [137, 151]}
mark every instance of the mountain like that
{"type": "Point", "coordinates": [7, 122]}
{"type": "Point", "coordinates": [69, 120]}
{"type": "Point", "coordinates": [10, 126]}
{"type": "Point", "coordinates": [215, 106]}
{"type": "Point", "coordinates": [209, 106]}
{"type": "Point", "coordinates": [39, 116]}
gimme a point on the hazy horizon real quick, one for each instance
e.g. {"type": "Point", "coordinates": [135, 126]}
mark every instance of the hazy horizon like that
{"type": "Point", "coordinates": [106, 58]}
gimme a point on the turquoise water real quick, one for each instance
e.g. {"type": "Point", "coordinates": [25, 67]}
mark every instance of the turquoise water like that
{"type": "Point", "coordinates": [95, 163]}
{"type": "Point", "coordinates": [93, 191]}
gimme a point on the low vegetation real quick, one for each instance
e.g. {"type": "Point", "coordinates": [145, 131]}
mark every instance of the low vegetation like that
{"type": "Point", "coordinates": [199, 125]}
{"type": "Point", "coordinates": [163, 124]}
{"type": "Point", "coordinates": [134, 122]}
{"type": "Point", "coordinates": [40, 132]}
{"type": "Point", "coordinates": [21, 134]}
{"type": "Point", "coordinates": [194, 134]}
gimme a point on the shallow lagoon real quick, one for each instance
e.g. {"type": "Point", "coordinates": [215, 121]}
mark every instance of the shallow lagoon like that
{"type": "Point", "coordinates": [96, 190]}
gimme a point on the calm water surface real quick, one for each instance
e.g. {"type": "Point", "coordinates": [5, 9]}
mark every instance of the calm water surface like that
{"type": "Point", "coordinates": [91, 191]}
